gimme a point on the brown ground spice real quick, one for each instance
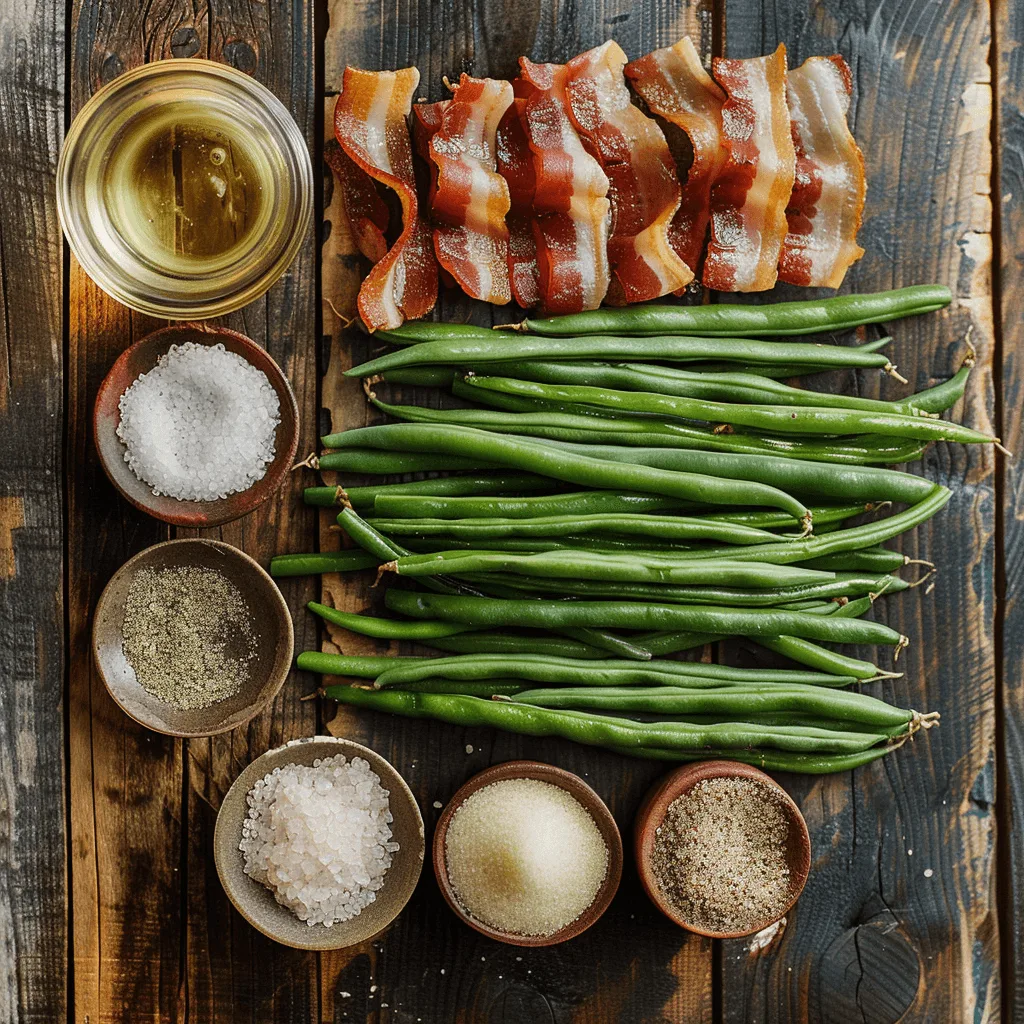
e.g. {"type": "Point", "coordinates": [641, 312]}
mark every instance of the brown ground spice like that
{"type": "Point", "coordinates": [720, 855]}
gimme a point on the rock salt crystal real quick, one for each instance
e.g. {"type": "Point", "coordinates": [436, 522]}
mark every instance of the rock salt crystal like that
{"type": "Point", "coordinates": [201, 424]}
{"type": "Point", "coordinates": [319, 838]}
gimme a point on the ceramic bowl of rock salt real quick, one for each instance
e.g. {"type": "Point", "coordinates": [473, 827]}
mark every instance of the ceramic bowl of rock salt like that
{"type": "Point", "coordinates": [319, 844]}
{"type": "Point", "coordinates": [196, 425]}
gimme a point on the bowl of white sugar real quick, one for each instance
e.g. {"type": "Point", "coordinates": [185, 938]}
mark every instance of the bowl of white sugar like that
{"type": "Point", "coordinates": [319, 844]}
{"type": "Point", "coordinates": [528, 854]}
{"type": "Point", "coordinates": [196, 425]}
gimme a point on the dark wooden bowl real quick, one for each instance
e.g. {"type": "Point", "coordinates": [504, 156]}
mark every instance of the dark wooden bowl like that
{"type": "Point", "coordinates": [256, 903]}
{"type": "Point", "coordinates": [272, 626]}
{"type": "Point", "coordinates": [682, 780]}
{"type": "Point", "coordinates": [577, 788]}
{"type": "Point", "coordinates": [141, 358]}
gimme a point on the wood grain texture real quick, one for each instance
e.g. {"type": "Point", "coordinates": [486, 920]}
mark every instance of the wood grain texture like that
{"type": "Point", "coordinates": [633, 965]}
{"type": "Point", "coordinates": [155, 937]}
{"type": "Point", "coordinates": [899, 914]}
{"type": "Point", "coordinates": [33, 883]}
{"type": "Point", "coordinates": [1008, 188]}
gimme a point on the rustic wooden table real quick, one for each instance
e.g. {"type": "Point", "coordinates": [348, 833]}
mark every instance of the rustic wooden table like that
{"type": "Point", "coordinates": [110, 909]}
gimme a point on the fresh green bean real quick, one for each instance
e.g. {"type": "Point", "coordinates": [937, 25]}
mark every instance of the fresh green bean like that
{"type": "Point", "coordinates": [473, 483]}
{"type": "Point", "coordinates": [847, 483]}
{"type": "Point", "coordinates": [321, 562]}
{"type": "Point", "coordinates": [784, 419]}
{"type": "Point", "coordinates": [386, 629]}
{"type": "Point", "coordinates": [872, 559]}
{"type": "Point", "coordinates": [780, 371]}
{"type": "Point", "coordinates": [416, 331]}
{"type": "Point", "coordinates": [531, 545]}
{"type": "Point", "coordinates": [636, 615]}
{"type": "Point", "coordinates": [665, 527]}
{"type": "Point", "coordinates": [633, 430]}
{"type": "Point", "coordinates": [421, 376]}
{"type": "Point", "coordinates": [728, 386]}
{"type": "Point", "coordinates": [738, 699]}
{"type": "Point", "coordinates": [672, 641]}
{"type": "Point", "coordinates": [845, 585]}
{"type": "Point", "coordinates": [807, 316]}
{"type": "Point", "coordinates": [561, 670]}
{"type": "Point", "coordinates": [805, 652]}
{"type": "Point", "coordinates": [484, 351]}
{"type": "Point", "coordinates": [394, 506]}
{"type": "Point", "coordinates": [579, 565]}
{"type": "Point", "coordinates": [517, 644]}
{"type": "Point", "coordinates": [495, 688]}
{"type": "Point", "coordinates": [373, 461]}
{"type": "Point", "coordinates": [771, 760]}
{"type": "Point", "coordinates": [361, 667]}
{"type": "Point", "coordinates": [851, 539]}
{"type": "Point", "coordinates": [601, 730]}
{"type": "Point", "coordinates": [575, 467]}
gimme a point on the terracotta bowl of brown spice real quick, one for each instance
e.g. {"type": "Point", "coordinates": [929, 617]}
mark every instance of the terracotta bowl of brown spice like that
{"type": "Point", "coordinates": [721, 848]}
{"type": "Point", "coordinates": [192, 638]}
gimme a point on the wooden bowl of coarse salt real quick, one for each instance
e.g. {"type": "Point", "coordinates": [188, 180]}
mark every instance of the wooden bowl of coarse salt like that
{"type": "Point", "coordinates": [195, 425]}
{"type": "Point", "coordinates": [528, 854]}
{"type": "Point", "coordinates": [345, 794]}
{"type": "Point", "coordinates": [721, 848]}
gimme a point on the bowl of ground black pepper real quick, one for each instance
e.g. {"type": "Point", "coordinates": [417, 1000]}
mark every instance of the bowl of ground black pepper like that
{"type": "Point", "coordinates": [721, 848]}
{"type": "Point", "coordinates": [192, 638]}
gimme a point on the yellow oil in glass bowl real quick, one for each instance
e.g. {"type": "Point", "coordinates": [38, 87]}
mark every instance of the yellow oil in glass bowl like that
{"type": "Point", "coordinates": [184, 188]}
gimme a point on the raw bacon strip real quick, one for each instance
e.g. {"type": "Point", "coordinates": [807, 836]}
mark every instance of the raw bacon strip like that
{"type": "Point", "coordinates": [748, 201]}
{"type": "Point", "coordinates": [571, 226]}
{"type": "Point", "coordinates": [367, 213]}
{"type": "Point", "coordinates": [673, 83]}
{"type": "Point", "coordinates": [426, 119]}
{"type": "Point", "coordinates": [644, 191]}
{"type": "Point", "coordinates": [470, 199]}
{"type": "Point", "coordinates": [825, 208]}
{"type": "Point", "coordinates": [369, 123]}
{"type": "Point", "coordinates": [515, 165]}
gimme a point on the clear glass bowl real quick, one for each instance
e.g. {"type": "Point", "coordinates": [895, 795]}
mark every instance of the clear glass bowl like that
{"type": "Point", "coordinates": [184, 189]}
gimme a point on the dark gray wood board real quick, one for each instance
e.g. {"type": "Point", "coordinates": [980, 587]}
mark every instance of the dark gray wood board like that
{"type": "Point", "coordinates": [33, 876]}
{"type": "Point", "coordinates": [900, 910]}
{"type": "Point", "coordinates": [1008, 193]}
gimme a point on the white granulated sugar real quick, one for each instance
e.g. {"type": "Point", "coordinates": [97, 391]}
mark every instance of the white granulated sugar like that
{"type": "Point", "coordinates": [319, 838]}
{"type": "Point", "coordinates": [201, 424]}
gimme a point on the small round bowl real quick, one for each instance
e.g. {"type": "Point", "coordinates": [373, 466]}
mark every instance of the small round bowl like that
{"type": "Point", "coordinates": [141, 358]}
{"type": "Point", "coordinates": [133, 194]}
{"type": "Point", "coordinates": [682, 780]}
{"type": "Point", "coordinates": [272, 626]}
{"type": "Point", "coordinates": [256, 903]}
{"type": "Point", "coordinates": [594, 806]}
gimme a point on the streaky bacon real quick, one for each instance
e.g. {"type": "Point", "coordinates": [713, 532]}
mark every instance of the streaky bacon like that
{"type": "Point", "coordinates": [674, 85]}
{"type": "Point", "coordinates": [426, 119]}
{"type": "Point", "coordinates": [515, 165]}
{"type": "Point", "coordinates": [471, 198]}
{"type": "Point", "coordinates": [827, 203]}
{"type": "Point", "coordinates": [644, 189]}
{"type": "Point", "coordinates": [570, 203]}
{"type": "Point", "coordinates": [749, 198]}
{"type": "Point", "coordinates": [370, 125]}
{"type": "Point", "coordinates": [367, 213]}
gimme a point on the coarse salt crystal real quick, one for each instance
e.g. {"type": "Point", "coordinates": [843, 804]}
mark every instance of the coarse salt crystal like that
{"type": "Point", "coordinates": [201, 424]}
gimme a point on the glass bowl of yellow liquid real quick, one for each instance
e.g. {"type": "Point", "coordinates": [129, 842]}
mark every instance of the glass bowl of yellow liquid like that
{"type": "Point", "coordinates": [184, 189]}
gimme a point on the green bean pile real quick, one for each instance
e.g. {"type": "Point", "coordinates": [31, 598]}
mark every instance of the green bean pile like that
{"type": "Point", "coordinates": [623, 485]}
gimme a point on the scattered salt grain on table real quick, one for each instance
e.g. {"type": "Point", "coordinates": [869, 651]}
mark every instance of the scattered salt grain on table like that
{"type": "Point", "coordinates": [525, 856]}
{"type": "Point", "coordinates": [201, 424]}
{"type": "Point", "coordinates": [319, 837]}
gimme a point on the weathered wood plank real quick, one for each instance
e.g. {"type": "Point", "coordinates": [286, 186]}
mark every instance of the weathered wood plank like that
{"type": "Point", "coordinates": [33, 882]}
{"type": "Point", "coordinates": [1008, 76]}
{"type": "Point", "coordinates": [900, 908]}
{"type": "Point", "coordinates": [146, 942]}
{"type": "Point", "coordinates": [633, 965]}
